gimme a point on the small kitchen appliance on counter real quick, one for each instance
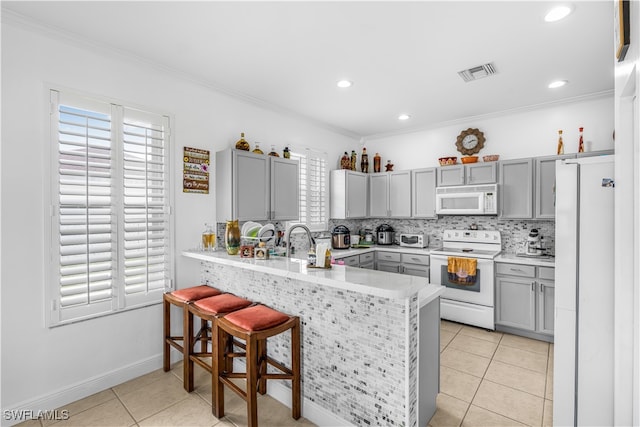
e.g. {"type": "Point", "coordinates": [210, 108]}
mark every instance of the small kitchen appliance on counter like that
{"type": "Point", "coordinates": [414, 240]}
{"type": "Point", "coordinates": [384, 234]}
{"type": "Point", "coordinates": [340, 237]}
{"type": "Point", "coordinates": [533, 245]}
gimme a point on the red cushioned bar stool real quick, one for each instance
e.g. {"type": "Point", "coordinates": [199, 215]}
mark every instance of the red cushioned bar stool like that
{"type": "Point", "coordinates": [181, 298]}
{"type": "Point", "coordinates": [254, 325]}
{"type": "Point", "coordinates": [208, 310]}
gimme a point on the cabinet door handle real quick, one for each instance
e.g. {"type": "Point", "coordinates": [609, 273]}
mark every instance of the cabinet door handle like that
{"type": "Point", "coordinates": [533, 286]}
{"type": "Point", "coordinates": [541, 288]}
{"type": "Point", "coordinates": [415, 259]}
{"type": "Point", "coordinates": [516, 269]}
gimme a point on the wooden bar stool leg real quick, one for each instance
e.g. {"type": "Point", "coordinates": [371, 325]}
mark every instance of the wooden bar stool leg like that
{"type": "Point", "coordinates": [295, 367]}
{"type": "Point", "coordinates": [219, 341]}
{"type": "Point", "coordinates": [252, 382]}
{"type": "Point", "coordinates": [262, 363]}
{"type": "Point", "coordinates": [166, 327]}
{"type": "Point", "coordinates": [188, 344]}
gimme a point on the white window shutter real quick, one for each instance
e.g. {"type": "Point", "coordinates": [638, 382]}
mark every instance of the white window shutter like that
{"type": "Point", "coordinates": [83, 241]}
{"type": "Point", "coordinates": [314, 196]}
{"type": "Point", "coordinates": [111, 226]}
{"type": "Point", "coordinates": [146, 227]}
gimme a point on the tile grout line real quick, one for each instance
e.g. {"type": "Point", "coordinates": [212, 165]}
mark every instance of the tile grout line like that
{"type": "Point", "coordinates": [498, 344]}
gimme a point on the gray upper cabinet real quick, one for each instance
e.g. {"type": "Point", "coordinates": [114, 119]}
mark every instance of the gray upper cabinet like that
{"type": "Point", "coordinates": [516, 188]}
{"type": "Point", "coordinates": [450, 175]}
{"type": "Point", "coordinates": [285, 189]}
{"type": "Point", "coordinates": [400, 194]}
{"type": "Point", "coordinates": [255, 187]}
{"type": "Point", "coordinates": [349, 191]}
{"type": "Point", "coordinates": [390, 194]}
{"type": "Point", "coordinates": [423, 190]}
{"type": "Point", "coordinates": [481, 173]}
{"type": "Point", "coordinates": [545, 206]}
{"type": "Point", "coordinates": [469, 174]}
{"type": "Point", "coordinates": [379, 195]}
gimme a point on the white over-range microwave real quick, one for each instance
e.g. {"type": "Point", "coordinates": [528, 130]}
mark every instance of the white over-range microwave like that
{"type": "Point", "coordinates": [467, 200]}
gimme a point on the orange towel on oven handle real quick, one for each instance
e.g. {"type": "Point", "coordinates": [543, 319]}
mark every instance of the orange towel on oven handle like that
{"type": "Point", "coordinates": [462, 270]}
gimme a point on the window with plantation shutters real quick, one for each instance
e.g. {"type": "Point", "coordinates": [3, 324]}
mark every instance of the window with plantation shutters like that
{"type": "Point", "coordinates": [314, 197]}
{"type": "Point", "coordinates": [110, 219]}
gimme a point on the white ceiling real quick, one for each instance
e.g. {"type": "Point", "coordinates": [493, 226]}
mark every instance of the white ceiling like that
{"type": "Point", "coordinates": [403, 57]}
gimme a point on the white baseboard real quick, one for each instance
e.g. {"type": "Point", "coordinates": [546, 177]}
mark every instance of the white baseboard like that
{"type": "Point", "coordinates": [80, 390]}
{"type": "Point", "coordinates": [310, 410]}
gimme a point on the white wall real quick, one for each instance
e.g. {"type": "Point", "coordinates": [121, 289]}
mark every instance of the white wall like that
{"type": "Point", "coordinates": [527, 133]}
{"type": "Point", "coordinates": [45, 368]}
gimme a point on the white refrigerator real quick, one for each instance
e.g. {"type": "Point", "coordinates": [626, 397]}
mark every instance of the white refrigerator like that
{"type": "Point", "coordinates": [583, 349]}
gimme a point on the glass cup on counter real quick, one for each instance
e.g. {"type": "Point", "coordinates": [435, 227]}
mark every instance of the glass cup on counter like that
{"type": "Point", "coordinates": [208, 238]}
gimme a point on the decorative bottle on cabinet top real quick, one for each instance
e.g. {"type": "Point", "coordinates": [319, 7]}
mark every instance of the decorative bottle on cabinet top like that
{"type": "Point", "coordinates": [376, 162]}
{"type": "Point", "coordinates": [242, 144]}
{"type": "Point", "coordinates": [364, 161]}
{"type": "Point", "coordinates": [581, 143]}
{"type": "Point", "coordinates": [354, 159]}
{"type": "Point", "coordinates": [273, 152]}
{"type": "Point", "coordinates": [345, 163]}
{"type": "Point", "coordinates": [286, 153]}
{"type": "Point", "coordinates": [560, 143]}
{"type": "Point", "coordinates": [257, 150]}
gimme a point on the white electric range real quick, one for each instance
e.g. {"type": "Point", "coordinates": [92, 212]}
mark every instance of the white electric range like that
{"type": "Point", "coordinates": [469, 303]}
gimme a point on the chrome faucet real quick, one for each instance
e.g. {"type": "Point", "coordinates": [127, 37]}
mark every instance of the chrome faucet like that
{"type": "Point", "coordinates": [312, 242]}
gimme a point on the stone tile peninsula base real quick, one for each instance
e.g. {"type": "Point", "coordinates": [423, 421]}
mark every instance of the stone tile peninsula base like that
{"type": "Point", "coordinates": [366, 335]}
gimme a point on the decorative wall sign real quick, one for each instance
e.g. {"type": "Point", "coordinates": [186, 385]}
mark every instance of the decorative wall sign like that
{"type": "Point", "coordinates": [195, 173]}
{"type": "Point", "coordinates": [621, 28]}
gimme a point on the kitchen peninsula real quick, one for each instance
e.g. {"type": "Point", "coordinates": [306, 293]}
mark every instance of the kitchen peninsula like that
{"type": "Point", "coordinates": [370, 339]}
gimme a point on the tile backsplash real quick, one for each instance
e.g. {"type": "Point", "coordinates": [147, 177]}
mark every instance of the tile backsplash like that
{"type": "Point", "coordinates": [513, 232]}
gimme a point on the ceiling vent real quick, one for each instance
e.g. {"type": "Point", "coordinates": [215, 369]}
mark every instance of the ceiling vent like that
{"type": "Point", "coordinates": [478, 72]}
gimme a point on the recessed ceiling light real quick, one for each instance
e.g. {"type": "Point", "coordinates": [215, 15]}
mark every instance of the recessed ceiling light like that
{"type": "Point", "coordinates": [557, 84]}
{"type": "Point", "coordinates": [558, 13]}
{"type": "Point", "coordinates": [404, 117]}
{"type": "Point", "coordinates": [344, 83]}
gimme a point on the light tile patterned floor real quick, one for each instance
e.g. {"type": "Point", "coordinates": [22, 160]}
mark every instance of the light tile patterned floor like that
{"type": "Point", "coordinates": [486, 379]}
{"type": "Point", "coordinates": [493, 379]}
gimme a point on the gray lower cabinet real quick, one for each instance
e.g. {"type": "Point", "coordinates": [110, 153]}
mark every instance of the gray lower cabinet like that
{"type": "Point", "coordinates": [414, 264]}
{"type": "Point", "coordinates": [525, 300]}
{"type": "Point", "coordinates": [403, 263]}
{"type": "Point", "coordinates": [388, 261]}
{"type": "Point", "coordinates": [362, 261]}
{"type": "Point", "coordinates": [516, 188]}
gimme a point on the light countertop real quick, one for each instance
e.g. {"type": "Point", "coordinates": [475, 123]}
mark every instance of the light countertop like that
{"type": "Point", "coordinates": [372, 282]}
{"type": "Point", "coordinates": [512, 258]}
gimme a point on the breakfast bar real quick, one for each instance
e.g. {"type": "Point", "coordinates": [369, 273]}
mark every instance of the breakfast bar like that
{"type": "Point", "coordinates": [370, 339]}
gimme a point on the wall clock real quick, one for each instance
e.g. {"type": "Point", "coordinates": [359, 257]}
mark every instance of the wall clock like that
{"type": "Point", "coordinates": [470, 141]}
